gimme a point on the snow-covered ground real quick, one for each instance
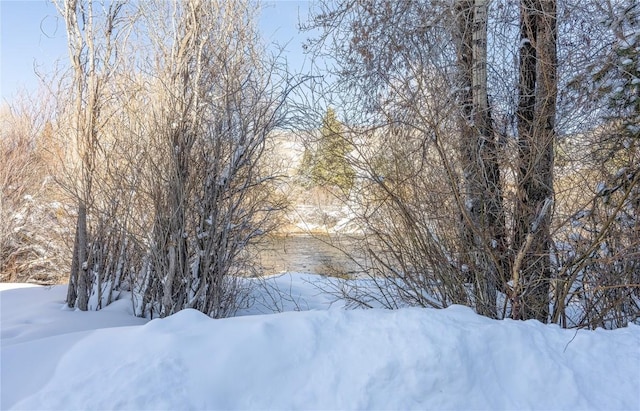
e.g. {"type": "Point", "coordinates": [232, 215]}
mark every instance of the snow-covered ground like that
{"type": "Point", "coordinates": [322, 358]}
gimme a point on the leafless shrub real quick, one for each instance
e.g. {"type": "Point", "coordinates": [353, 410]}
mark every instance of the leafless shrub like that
{"type": "Point", "coordinates": [599, 246]}
{"type": "Point", "coordinates": [216, 101]}
{"type": "Point", "coordinates": [31, 249]}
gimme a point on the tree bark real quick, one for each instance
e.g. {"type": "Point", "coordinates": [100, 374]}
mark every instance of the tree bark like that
{"type": "Point", "coordinates": [84, 282]}
{"type": "Point", "coordinates": [483, 216]}
{"type": "Point", "coordinates": [536, 136]}
{"type": "Point", "coordinates": [91, 51]}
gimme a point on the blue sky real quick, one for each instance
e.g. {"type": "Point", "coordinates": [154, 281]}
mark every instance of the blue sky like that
{"type": "Point", "coordinates": [33, 39]}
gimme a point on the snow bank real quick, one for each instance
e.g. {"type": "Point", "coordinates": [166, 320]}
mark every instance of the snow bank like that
{"type": "Point", "coordinates": [13, 286]}
{"type": "Point", "coordinates": [38, 312]}
{"type": "Point", "coordinates": [323, 359]}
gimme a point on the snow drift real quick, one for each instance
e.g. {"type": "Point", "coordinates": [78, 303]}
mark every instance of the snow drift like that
{"type": "Point", "coordinates": [321, 359]}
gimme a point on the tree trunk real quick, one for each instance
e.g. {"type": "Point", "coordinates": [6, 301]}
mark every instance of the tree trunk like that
{"type": "Point", "coordinates": [483, 219]}
{"type": "Point", "coordinates": [82, 263]}
{"type": "Point", "coordinates": [73, 274]}
{"type": "Point", "coordinates": [536, 136]}
{"type": "Point", "coordinates": [91, 32]}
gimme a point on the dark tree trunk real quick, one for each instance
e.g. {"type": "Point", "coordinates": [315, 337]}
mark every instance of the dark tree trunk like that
{"type": "Point", "coordinates": [81, 259]}
{"type": "Point", "coordinates": [536, 135]}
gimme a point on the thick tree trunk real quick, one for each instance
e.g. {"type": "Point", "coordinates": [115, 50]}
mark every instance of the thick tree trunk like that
{"type": "Point", "coordinates": [483, 220]}
{"type": "Point", "coordinates": [536, 136]}
{"type": "Point", "coordinates": [78, 292]}
{"type": "Point", "coordinates": [82, 263]}
{"type": "Point", "coordinates": [83, 56]}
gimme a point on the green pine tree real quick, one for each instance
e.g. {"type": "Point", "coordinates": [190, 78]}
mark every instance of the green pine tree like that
{"type": "Point", "coordinates": [331, 166]}
{"type": "Point", "coordinates": [306, 168]}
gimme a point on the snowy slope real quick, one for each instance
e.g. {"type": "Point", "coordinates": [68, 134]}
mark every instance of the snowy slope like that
{"type": "Point", "coordinates": [321, 359]}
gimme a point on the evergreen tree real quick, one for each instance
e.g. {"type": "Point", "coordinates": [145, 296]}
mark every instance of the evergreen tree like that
{"type": "Point", "coordinates": [331, 166]}
{"type": "Point", "coordinates": [306, 167]}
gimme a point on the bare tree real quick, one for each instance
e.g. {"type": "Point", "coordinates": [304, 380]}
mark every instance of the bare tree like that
{"type": "Point", "coordinates": [483, 216]}
{"type": "Point", "coordinates": [167, 166]}
{"type": "Point", "coordinates": [414, 56]}
{"type": "Point", "coordinates": [216, 102]}
{"type": "Point", "coordinates": [536, 137]}
{"type": "Point", "coordinates": [92, 33]}
{"type": "Point", "coordinates": [421, 71]}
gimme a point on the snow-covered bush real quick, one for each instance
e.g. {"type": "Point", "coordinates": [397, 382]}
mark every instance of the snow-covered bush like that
{"type": "Point", "coordinates": [31, 220]}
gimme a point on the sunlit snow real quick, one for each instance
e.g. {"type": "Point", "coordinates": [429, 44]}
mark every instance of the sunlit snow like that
{"type": "Point", "coordinates": [323, 358]}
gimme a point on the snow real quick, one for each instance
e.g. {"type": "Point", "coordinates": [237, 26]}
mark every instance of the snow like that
{"type": "Point", "coordinates": [323, 358]}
